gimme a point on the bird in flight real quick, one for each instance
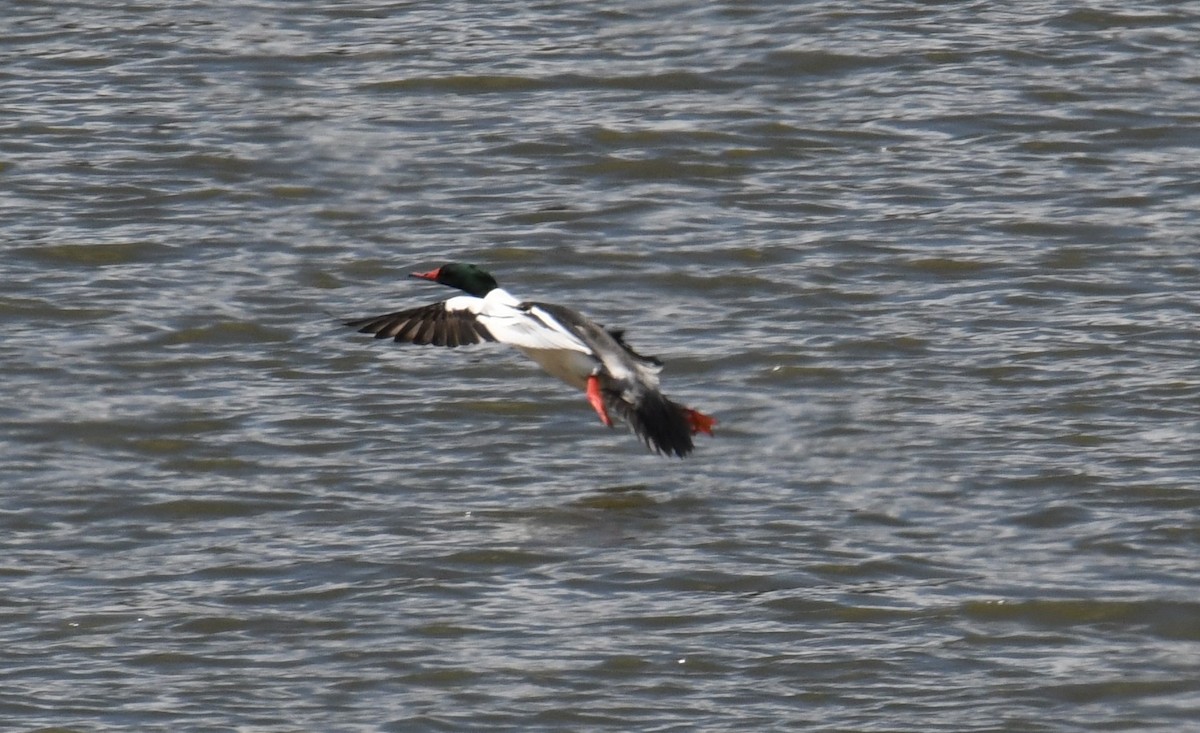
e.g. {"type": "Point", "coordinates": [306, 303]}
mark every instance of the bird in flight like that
{"type": "Point", "coordinates": [566, 344]}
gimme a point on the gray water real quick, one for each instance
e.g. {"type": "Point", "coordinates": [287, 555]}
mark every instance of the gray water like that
{"type": "Point", "coordinates": [933, 266]}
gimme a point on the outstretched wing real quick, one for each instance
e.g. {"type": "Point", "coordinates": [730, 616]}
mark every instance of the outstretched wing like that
{"type": "Point", "coordinates": [452, 322]}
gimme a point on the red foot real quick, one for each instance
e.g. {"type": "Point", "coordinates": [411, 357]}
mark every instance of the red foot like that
{"type": "Point", "coordinates": [594, 397]}
{"type": "Point", "coordinates": [700, 422]}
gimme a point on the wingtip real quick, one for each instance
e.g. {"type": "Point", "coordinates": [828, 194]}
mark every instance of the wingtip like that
{"type": "Point", "coordinates": [664, 426]}
{"type": "Point", "coordinates": [680, 445]}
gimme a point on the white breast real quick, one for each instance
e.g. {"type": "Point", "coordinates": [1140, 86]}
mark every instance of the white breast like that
{"type": "Point", "coordinates": [572, 367]}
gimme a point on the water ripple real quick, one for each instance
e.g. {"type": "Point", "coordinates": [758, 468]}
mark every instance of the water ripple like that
{"type": "Point", "coordinates": [932, 267]}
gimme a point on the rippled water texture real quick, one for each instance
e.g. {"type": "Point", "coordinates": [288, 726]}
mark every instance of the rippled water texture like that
{"type": "Point", "coordinates": [934, 267]}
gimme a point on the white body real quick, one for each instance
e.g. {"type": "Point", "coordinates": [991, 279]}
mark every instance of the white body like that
{"type": "Point", "coordinates": [565, 354]}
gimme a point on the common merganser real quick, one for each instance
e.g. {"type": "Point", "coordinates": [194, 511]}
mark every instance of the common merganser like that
{"type": "Point", "coordinates": [563, 342]}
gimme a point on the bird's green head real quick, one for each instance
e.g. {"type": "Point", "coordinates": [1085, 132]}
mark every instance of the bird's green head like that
{"type": "Point", "coordinates": [470, 279]}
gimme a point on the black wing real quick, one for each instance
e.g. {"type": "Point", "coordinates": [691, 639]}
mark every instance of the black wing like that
{"type": "Point", "coordinates": [428, 324]}
{"type": "Point", "coordinates": [654, 418]}
{"type": "Point", "coordinates": [618, 335]}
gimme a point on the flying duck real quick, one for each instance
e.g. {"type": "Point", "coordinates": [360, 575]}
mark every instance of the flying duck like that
{"type": "Point", "coordinates": [563, 342]}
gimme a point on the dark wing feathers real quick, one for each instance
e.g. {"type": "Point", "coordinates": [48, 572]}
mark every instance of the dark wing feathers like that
{"type": "Point", "coordinates": [428, 324]}
{"type": "Point", "coordinates": [618, 335]}
{"type": "Point", "coordinates": [658, 421]}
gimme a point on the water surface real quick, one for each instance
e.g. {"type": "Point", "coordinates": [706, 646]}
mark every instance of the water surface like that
{"type": "Point", "coordinates": [934, 268]}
